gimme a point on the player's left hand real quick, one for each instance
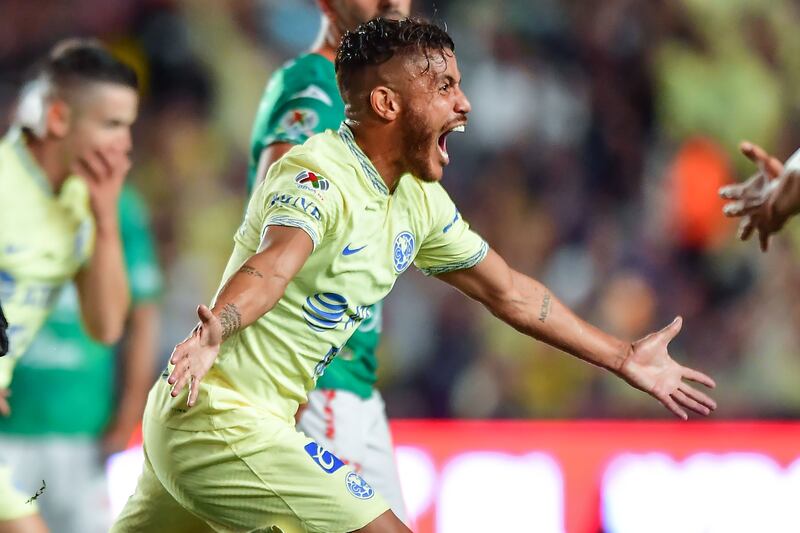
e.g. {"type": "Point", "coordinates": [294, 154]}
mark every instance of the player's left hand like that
{"type": "Point", "coordinates": [194, 356]}
{"type": "Point", "coordinates": [104, 172]}
{"type": "Point", "coordinates": [5, 409]}
{"type": "Point", "coordinates": [650, 368]}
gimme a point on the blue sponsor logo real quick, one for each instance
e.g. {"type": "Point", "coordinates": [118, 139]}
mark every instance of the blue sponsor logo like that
{"type": "Point", "coordinates": [350, 251]}
{"type": "Point", "coordinates": [358, 487]}
{"type": "Point", "coordinates": [403, 250]}
{"type": "Point", "coordinates": [325, 311]}
{"type": "Point", "coordinates": [325, 459]}
{"type": "Point", "coordinates": [297, 202]}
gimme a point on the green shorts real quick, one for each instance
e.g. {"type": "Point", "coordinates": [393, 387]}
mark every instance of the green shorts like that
{"type": "Point", "coordinates": [263, 476]}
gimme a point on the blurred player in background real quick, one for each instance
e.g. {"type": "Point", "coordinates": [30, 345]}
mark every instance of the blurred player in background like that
{"type": "Point", "coordinates": [62, 166]}
{"type": "Point", "coordinates": [345, 413]}
{"type": "Point", "coordinates": [225, 455]}
{"type": "Point", "coordinates": [65, 434]}
{"type": "Point", "coordinates": [768, 199]}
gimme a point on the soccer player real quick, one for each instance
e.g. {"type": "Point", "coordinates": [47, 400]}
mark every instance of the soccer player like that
{"type": "Point", "coordinates": [66, 441]}
{"type": "Point", "coordinates": [345, 413]}
{"type": "Point", "coordinates": [768, 199]}
{"type": "Point", "coordinates": [225, 452]}
{"type": "Point", "coordinates": [62, 166]}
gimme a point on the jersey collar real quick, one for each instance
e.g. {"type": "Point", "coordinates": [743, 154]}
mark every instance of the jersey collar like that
{"type": "Point", "coordinates": [20, 148]}
{"type": "Point", "coordinates": [369, 169]}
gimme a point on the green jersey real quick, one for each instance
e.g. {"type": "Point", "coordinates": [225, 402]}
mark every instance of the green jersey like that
{"type": "Point", "coordinates": [364, 238]}
{"type": "Point", "coordinates": [301, 100]}
{"type": "Point", "coordinates": [76, 371]}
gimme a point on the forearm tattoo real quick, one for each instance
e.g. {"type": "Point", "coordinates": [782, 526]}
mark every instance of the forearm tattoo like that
{"type": "Point", "coordinates": [246, 269]}
{"type": "Point", "coordinates": [231, 320]}
{"type": "Point", "coordinates": [544, 312]}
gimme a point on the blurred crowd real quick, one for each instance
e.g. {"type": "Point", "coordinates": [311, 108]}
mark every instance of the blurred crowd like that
{"type": "Point", "coordinates": [599, 135]}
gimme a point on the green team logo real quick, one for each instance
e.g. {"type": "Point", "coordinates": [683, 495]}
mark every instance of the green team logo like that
{"type": "Point", "coordinates": [299, 123]}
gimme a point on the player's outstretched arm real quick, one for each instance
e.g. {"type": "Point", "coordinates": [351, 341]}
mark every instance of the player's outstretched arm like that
{"type": "Point", "coordinates": [768, 199]}
{"type": "Point", "coordinates": [529, 307]}
{"type": "Point", "coordinates": [102, 282]}
{"type": "Point", "coordinates": [250, 293]}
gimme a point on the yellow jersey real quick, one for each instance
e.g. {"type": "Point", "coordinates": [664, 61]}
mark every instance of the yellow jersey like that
{"type": "Point", "coordinates": [364, 238]}
{"type": "Point", "coordinates": [45, 238]}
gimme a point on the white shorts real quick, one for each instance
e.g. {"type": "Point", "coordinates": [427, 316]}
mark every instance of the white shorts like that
{"type": "Point", "coordinates": [75, 498]}
{"type": "Point", "coordinates": [357, 431]}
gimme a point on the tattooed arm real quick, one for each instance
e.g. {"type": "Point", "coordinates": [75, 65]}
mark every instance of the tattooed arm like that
{"type": "Point", "coordinates": [250, 293]}
{"type": "Point", "coordinates": [529, 307]}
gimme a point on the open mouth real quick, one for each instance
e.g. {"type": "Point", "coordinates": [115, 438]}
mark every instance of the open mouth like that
{"type": "Point", "coordinates": [443, 141]}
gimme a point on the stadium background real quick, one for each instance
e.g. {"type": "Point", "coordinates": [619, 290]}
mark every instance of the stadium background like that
{"type": "Point", "coordinates": [600, 132]}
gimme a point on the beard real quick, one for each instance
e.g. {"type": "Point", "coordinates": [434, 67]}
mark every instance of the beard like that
{"type": "Point", "coordinates": [418, 138]}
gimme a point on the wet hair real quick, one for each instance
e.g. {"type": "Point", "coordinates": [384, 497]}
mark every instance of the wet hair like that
{"type": "Point", "coordinates": [70, 64]}
{"type": "Point", "coordinates": [379, 40]}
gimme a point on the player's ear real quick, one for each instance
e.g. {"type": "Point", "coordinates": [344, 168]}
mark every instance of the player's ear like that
{"type": "Point", "coordinates": [385, 102]}
{"type": "Point", "coordinates": [325, 7]}
{"type": "Point", "coordinates": [58, 115]}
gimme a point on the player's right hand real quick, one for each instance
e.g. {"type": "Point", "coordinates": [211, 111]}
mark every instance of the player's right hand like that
{"type": "Point", "coordinates": [104, 172]}
{"type": "Point", "coordinates": [194, 356]}
{"type": "Point", "coordinates": [753, 200]}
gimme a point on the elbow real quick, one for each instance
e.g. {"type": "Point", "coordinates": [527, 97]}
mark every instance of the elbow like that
{"type": "Point", "coordinates": [106, 331]}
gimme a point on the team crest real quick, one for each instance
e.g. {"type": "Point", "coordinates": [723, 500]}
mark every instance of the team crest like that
{"type": "Point", "coordinates": [310, 181]}
{"type": "Point", "coordinates": [299, 123]}
{"type": "Point", "coordinates": [358, 487]}
{"type": "Point", "coordinates": [403, 251]}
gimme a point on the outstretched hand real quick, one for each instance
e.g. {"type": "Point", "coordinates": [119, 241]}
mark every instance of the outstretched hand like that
{"type": "Point", "coordinates": [753, 199]}
{"type": "Point", "coordinates": [650, 368]}
{"type": "Point", "coordinates": [194, 356]}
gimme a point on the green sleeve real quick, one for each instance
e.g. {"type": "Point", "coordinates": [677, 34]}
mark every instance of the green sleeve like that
{"type": "Point", "coordinates": [144, 274]}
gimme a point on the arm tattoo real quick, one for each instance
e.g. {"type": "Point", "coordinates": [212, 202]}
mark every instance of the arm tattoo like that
{"type": "Point", "coordinates": [246, 269]}
{"type": "Point", "coordinates": [231, 320]}
{"type": "Point", "coordinates": [545, 310]}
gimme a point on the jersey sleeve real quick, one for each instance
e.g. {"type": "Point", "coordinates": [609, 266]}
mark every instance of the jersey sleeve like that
{"type": "Point", "coordinates": [294, 195]}
{"type": "Point", "coordinates": [144, 274]}
{"type": "Point", "coordinates": [299, 116]}
{"type": "Point", "coordinates": [451, 245]}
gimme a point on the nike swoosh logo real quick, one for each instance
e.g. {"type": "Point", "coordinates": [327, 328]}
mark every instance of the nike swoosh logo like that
{"type": "Point", "coordinates": [350, 251]}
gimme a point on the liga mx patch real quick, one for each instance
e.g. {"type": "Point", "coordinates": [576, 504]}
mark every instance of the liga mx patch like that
{"type": "Point", "coordinates": [310, 181]}
{"type": "Point", "coordinates": [358, 487]}
{"type": "Point", "coordinates": [325, 459]}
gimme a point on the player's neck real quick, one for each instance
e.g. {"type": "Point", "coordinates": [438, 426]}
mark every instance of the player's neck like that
{"type": "Point", "coordinates": [327, 41]}
{"type": "Point", "coordinates": [381, 149]}
{"type": "Point", "coordinates": [50, 159]}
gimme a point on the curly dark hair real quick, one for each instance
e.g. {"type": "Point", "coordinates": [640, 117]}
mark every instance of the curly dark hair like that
{"type": "Point", "coordinates": [377, 41]}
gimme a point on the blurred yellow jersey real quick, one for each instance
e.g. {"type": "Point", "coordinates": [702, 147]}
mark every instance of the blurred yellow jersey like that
{"type": "Point", "coordinates": [44, 240]}
{"type": "Point", "coordinates": [364, 238]}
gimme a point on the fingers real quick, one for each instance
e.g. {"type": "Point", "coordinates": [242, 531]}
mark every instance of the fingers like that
{"type": "Point", "coordinates": [763, 239]}
{"type": "Point", "coordinates": [673, 329]}
{"type": "Point", "coordinates": [670, 404]}
{"type": "Point", "coordinates": [739, 208]}
{"type": "Point", "coordinates": [698, 377]}
{"type": "Point", "coordinates": [698, 396]}
{"type": "Point", "coordinates": [758, 155]}
{"type": "Point", "coordinates": [194, 390]}
{"type": "Point", "coordinates": [204, 313]}
{"type": "Point", "coordinates": [746, 228]}
{"type": "Point", "coordinates": [93, 166]}
{"type": "Point", "coordinates": [690, 403]}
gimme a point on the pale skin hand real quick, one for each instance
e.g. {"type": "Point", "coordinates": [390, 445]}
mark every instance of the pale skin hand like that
{"type": "Point", "coordinates": [250, 293]}
{"type": "Point", "coordinates": [529, 307]}
{"type": "Point", "coordinates": [102, 283]}
{"type": "Point", "coordinates": [765, 201]}
{"type": "Point", "coordinates": [5, 409]}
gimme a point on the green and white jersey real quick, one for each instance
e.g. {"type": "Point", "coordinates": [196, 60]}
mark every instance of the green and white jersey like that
{"type": "Point", "coordinates": [66, 362]}
{"type": "Point", "coordinates": [45, 238]}
{"type": "Point", "coordinates": [301, 100]}
{"type": "Point", "coordinates": [364, 239]}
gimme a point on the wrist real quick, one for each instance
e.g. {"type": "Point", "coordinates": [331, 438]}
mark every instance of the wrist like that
{"type": "Point", "coordinates": [619, 364]}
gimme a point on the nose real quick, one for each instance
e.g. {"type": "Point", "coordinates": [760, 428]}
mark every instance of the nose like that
{"type": "Point", "coordinates": [126, 142]}
{"type": "Point", "coordinates": [462, 104]}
